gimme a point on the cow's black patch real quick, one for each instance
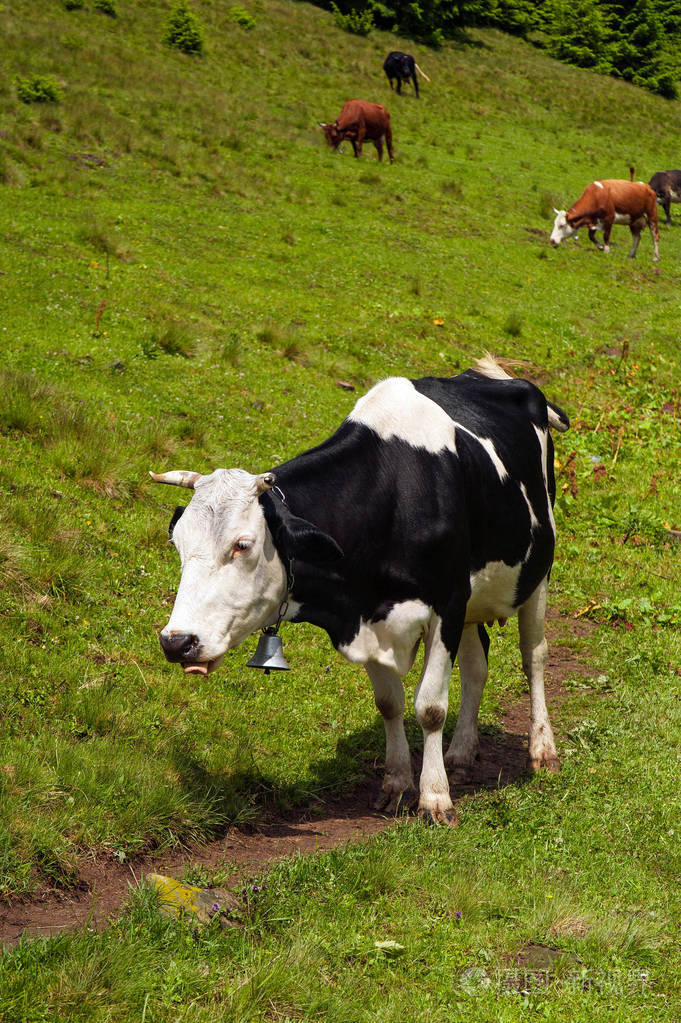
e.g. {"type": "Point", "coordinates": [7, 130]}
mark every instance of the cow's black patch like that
{"type": "Point", "coordinates": [413, 524]}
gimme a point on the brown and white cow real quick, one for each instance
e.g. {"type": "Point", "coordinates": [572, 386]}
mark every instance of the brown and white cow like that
{"type": "Point", "coordinates": [357, 121]}
{"type": "Point", "coordinates": [607, 202]}
{"type": "Point", "coordinates": [667, 188]}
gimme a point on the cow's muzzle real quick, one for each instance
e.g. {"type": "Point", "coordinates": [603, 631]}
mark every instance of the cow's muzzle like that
{"type": "Point", "coordinates": [180, 646]}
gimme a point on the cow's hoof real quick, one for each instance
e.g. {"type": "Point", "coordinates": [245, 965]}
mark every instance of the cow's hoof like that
{"type": "Point", "coordinates": [395, 803]}
{"type": "Point", "coordinates": [551, 764]}
{"type": "Point", "coordinates": [438, 816]}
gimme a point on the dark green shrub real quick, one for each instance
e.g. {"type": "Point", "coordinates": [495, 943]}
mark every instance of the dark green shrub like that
{"type": "Point", "coordinates": [242, 17]}
{"type": "Point", "coordinates": [73, 5]}
{"type": "Point", "coordinates": [37, 89]}
{"type": "Point", "coordinates": [105, 7]}
{"type": "Point", "coordinates": [359, 22]}
{"type": "Point", "coordinates": [183, 30]}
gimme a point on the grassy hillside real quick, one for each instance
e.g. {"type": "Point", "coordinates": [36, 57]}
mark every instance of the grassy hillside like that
{"type": "Point", "coordinates": [186, 273]}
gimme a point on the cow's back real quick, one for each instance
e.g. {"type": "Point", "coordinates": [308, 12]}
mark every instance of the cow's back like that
{"type": "Point", "coordinates": [356, 111]}
{"type": "Point", "coordinates": [623, 192]}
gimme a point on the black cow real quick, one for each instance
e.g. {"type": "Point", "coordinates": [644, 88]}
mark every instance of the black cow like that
{"type": "Point", "coordinates": [402, 67]}
{"type": "Point", "coordinates": [667, 187]}
{"type": "Point", "coordinates": [426, 515]}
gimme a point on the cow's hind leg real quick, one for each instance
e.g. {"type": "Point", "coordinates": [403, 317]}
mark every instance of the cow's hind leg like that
{"type": "Point", "coordinates": [398, 783]}
{"type": "Point", "coordinates": [389, 142]}
{"type": "Point", "coordinates": [472, 660]}
{"type": "Point", "coordinates": [379, 147]}
{"type": "Point", "coordinates": [430, 702]}
{"type": "Point", "coordinates": [534, 650]}
{"type": "Point", "coordinates": [635, 239]}
{"type": "Point", "coordinates": [654, 231]}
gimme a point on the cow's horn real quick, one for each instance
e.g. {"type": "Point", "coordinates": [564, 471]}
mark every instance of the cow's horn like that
{"type": "Point", "coordinates": [556, 211]}
{"type": "Point", "coordinates": [321, 124]}
{"type": "Point", "coordinates": [265, 481]}
{"type": "Point", "coordinates": [177, 478]}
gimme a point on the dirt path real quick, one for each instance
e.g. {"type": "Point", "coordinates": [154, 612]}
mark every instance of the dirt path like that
{"type": "Point", "coordinates": [104, 883]}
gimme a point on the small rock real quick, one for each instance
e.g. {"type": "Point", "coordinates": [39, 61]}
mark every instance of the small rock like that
{"type": "Point", "coordinates": [178, 899]}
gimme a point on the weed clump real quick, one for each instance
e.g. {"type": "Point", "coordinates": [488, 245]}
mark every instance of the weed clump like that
{"type": "Point", "coordinates": [513, 325]}
{"type": "Point", "coordinates": [105, 7]}
{"type": "Point", "coordinates": [242, 17]}
{"type": "Point", "coordinates": [230, 349]}
{"type": "Point", "coordinates": [37, 89]}
{"type": "Point", "coordinates": [183, 30]}
{"type": "Point", "coordinates": [73, 5]}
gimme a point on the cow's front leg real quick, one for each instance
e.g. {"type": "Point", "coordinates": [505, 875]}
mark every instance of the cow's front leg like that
{"type": "Point", "coordinates": [635, 238]}
{"type": "Point", "coordinates": [534, 650]}
{"type": "Point", "coordinates": [666, 206]}
{"type": "Point", "coordinates": [360, 139]}
{"type": "Point", "coordinates": [607, 228]}
{"type": "Point", "coordinates": [398, 783]}
{"type": "Point", "coordinates": [472, 660]}
{"type": "Point", "coordinates": [379, 147]}
{"type": "Point", "coordinates": [594, 239]}
{"type": "Point", "coordinates": [430, 702]}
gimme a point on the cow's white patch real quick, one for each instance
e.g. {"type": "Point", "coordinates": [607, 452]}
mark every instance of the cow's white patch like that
{"type": "Point", "coordinates": [598, 184]}
{"type": "Point", "coordinates": [493, 591]}
{"type": "Point", "coordinates": [674, 195]}
{"type": "Point", "coordinates": [488, 446]}
{"type": "Point", "coordinates": [543, 438]}
{"type": "Point", "coordinates": [534, 522]}
{"type": "Point", "coordinates": [395, 409]}
{"type": "Point", "coordinates": [225, 594]}
{"type": "Point", "coordinates": [622, 218]}
{"type": "Point", "coordinates": [393, 641]}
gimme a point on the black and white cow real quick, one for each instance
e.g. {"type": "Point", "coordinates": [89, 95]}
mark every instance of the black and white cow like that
{"type": "Point", "coordinates": [402, 67]}
{"type": "Point", "coordinates": [427, 514]}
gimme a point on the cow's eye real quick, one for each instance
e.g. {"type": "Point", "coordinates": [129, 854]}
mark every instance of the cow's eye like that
{"type": "Point", "coordinates": [242, 545]}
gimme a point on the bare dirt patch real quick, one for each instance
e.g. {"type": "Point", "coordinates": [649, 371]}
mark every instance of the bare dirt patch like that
{"type": "Point", "coordinates": [104, 883]}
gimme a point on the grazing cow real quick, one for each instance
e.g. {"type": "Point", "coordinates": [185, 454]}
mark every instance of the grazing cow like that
{"type": "Point", "coordinates": [667, 188]}
{"type": "Point", "coordinates": [402, 67]}
{"type": "Point", "coordinates": [608, 202]}
{"type": "Point", "coordinates": [357, 121]}
{"type": "Point", "coordinates": [426, 515]}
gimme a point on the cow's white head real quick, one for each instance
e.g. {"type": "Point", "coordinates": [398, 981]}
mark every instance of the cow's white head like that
{"type": "Point", "coordinates": [234, 577]}
{"type": "Point", "coordinates": [561, 228]}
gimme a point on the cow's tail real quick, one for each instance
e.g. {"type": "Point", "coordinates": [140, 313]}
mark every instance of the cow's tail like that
{"type": "Point", "coordinates": [557, 418]}
{"type": "Point", "coordinates": [631, 173]}
{"type": "Point", "coordinates": [421, 72]}
{"type": "Point", "coordinates": [490, 367]}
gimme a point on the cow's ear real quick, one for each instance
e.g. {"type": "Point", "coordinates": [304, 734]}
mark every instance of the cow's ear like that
{"type": "Point", "coordinates": [173, 522]}
{"type": "Point", "coordinates": [306, 541]}
{"type": "Point", "coordinates": [297, 538]}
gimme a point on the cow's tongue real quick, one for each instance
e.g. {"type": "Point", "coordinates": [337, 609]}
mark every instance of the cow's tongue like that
{"type": "Point", "coordinates": [195, 669]}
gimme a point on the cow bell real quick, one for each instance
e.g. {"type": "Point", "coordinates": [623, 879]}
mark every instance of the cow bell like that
{"type": "Point", "coordinates": [269, 654]}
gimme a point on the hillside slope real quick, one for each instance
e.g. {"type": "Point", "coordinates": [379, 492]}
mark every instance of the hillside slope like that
{"type": "Point", "coordinates": [187, 272]}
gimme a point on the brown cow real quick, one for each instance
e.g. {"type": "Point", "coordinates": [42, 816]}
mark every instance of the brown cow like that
{"type": "Point", "coordinates": [358, 121]}
{"type": "Point", "coordinates": [608, 202]}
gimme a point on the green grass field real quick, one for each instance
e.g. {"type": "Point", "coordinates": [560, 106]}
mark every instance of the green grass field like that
{"type": "Point", "coordinates": [186, 273]}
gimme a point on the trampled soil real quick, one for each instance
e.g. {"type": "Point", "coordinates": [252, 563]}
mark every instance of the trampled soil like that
{"type": "Point", "coordinates": [104, 883]}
